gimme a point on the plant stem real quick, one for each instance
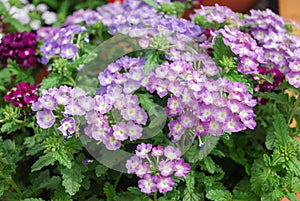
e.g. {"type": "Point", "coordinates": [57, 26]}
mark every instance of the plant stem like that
{"type": "Point", "coordinates": [293, 110]}
{"type": "Point", "coordinates": [117, 181]}
{"type": "Point", "coordinates": [155, 196]}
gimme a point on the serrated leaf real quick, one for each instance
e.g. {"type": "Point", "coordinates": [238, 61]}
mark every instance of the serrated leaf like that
{"type": "Point", "coordinates": [100, 170]}
{"type": "Point", "coordinates": [209, 165]}
{"type": "Point", "coordinates": [109, 191]}
{"type": "Point", "coordinates": [190, 196]}
{"type": "Point", "coordinates": [189, 193]}
{"type": "Point", "coordinates": [43, 161]}
{"type": "Point", "coordinates": [9, 145]}
{"type": "Point", "coordinates": [220, 50]}
{"type": "Point", "coordinates": [281, 129]}
{"type": "Point", "coordinates": [218, 195]}
{"type": "Point", "coordinates": [62, 157]}
{"type": "Point", "coordinates": [132, 194]}
{"type": "Point", "coordinates": [294, 166]}
{"type": "Point", "coordinates": [33, 199]}
{"type": "Point", "coordinates": [51, 81]}
{"type": "Point", "coordinates": [9, 127]}
{"type": "Point", "coordinates": [74, 145]}
{"type": "Point", "coordinates": [278, 98]}
{"type": "Point", "coordinates": [72, 178]}
{"type": "Point", "coordinates": [241, 191]}
{"type": "Point", "coordinates": [3, 187]}
{"type": "Point", "coordinates": [51, 183]}
{"type": "Point", "coordinates": [194, 154]}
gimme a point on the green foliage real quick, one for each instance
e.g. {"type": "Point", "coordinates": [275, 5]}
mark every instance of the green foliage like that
{"type": "Point", "coordinates": [190, 194]}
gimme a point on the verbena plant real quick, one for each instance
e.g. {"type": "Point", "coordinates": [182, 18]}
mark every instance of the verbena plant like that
{"type": "Point", "coordinates": [140, 104]}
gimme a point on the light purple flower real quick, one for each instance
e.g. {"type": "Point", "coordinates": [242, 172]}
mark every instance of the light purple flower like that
{"type": "Point", "coordinates": [166, 168]}
{"type": "Point", "coordinates": [87, 103]}
{"type": "Point", "coordinates": [120, 131]}
{"type": "Point", "coordinates": [48, 102]}
{"type": "Point", "coordinates": [165, 184]}
{"type": "Point", "coordinates": [142, 169]}
{"type": "Point", "coordinates": [111, 143]}
{"type": "Point", "coordinates": [157, 151]}
{"type": "Point", "coordinates": [68, 51]}
{"type": "Point", "coordinates": [132, 163]}
{"type": "Point", "coordinates": [294, 78]}
{"type": "Point", "coordinates": [67, 124]}
{"type": "Point", "coordinates": [45, 118]}
{"type": "Point", "coordinates": [147, 185]}
{"type": "Point", "coordinates": [143, 149]}
{"type": "Point", "coordinates": [134, 131]}
{"type": "Point", "coordinates": [172, 153]}
{"type": "Point", "coordinates": [181, 168]}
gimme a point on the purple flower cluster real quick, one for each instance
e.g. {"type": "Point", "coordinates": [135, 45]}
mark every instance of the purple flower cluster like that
{"type": "Point", "coordinates": [156, 167]}
{"type": "Point", "coordinates": [117, 104]}
{"type": "Point", "coordinates": [219, 14]}
{"type": "Point", "coordinates": [168, 32]}
{"type": "Point", "coordinates": [88, 16]}
{"type": "Point", "coordinates": [45, 33]}
{"type": "Point", "coordinates": [54, 99]}
{"type": "Point", "coordinates": [23, 96]}
{"type": "Point", "coordinates": [243, 45]}
{"type": "Point", "coordinates": [20, 47]}
{"type": "Point", "coordinates": [200, 104]}
{"type": "Point", "coordinates": [294, 75]}
{"type": "Point", "coordinates": [61, 43]}
{"type": "Point", "coordinates": [281, 50]}
{"type": "Point", "coordinates": [134, 14]}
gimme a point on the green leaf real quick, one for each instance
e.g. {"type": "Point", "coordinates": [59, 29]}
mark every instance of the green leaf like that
{"type": "Point", "coordinates": [151, 63]}
{"type": "Point", "coordinates": [278, 98]}
{"type": "Point", "coordinates": [45, 160]}
{"type": "Point", "coordinates": [72, 178]}
{"type": "Point", "coordinates": [194, 154]}
{"type": "Point", "coordinates": [241, 191]}
{"type": "Point", "coordinates": [51, 183]}
{"type": "Point", "coordinates": [33, 199]}
{"type": "Point", "coordinates": [294, 166]}
{"type": "Point", "coordinates": [281, 129]}
{"type": "Point", "coordinates": [62, 157]}
{"type": "Point", "coordinates": [100, 170]}
{"type": "Point", "coordinates": [189, 193]}
{"type": "Point", "coordinates": [9, 146]}
{"type": "Point", "coordinates": [221, 51]}
{"type": "Point", "coordinates": [51, 81]}
{"type": "Point", "coordinates": [209, 165]}
{"type": "Point", "coordinates": [10, 127]}
{"type": "Point", "coordinates": [3, 187]}
{"type": "Point", "coordinates": [218, 195]}
{"type": "Point", "coordinates": [151, 3]}
{"type": "Point", "coordinates": [132, 194]}
{"type": "Point", "coordinates": [74, 145]}
{"type": "Point", "coordinates": [109, 191]}
{"type": "Point", "coordinates": [16, 24]}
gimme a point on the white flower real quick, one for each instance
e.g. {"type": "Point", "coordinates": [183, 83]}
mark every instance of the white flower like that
{"type": "Point", "coordinates": [42, 7]}
{"type": "Point", "coordinates": [49, 17]}
{"type": "Point", "coordinates": [35, 24]}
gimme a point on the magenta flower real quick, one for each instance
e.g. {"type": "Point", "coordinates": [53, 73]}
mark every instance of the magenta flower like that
{"type": "Point", "coordinates": [166, 168]}
{"type": "Point", "coordinates": [23, 96]}
{"type": "Point", "coordinates": [20, 47]}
